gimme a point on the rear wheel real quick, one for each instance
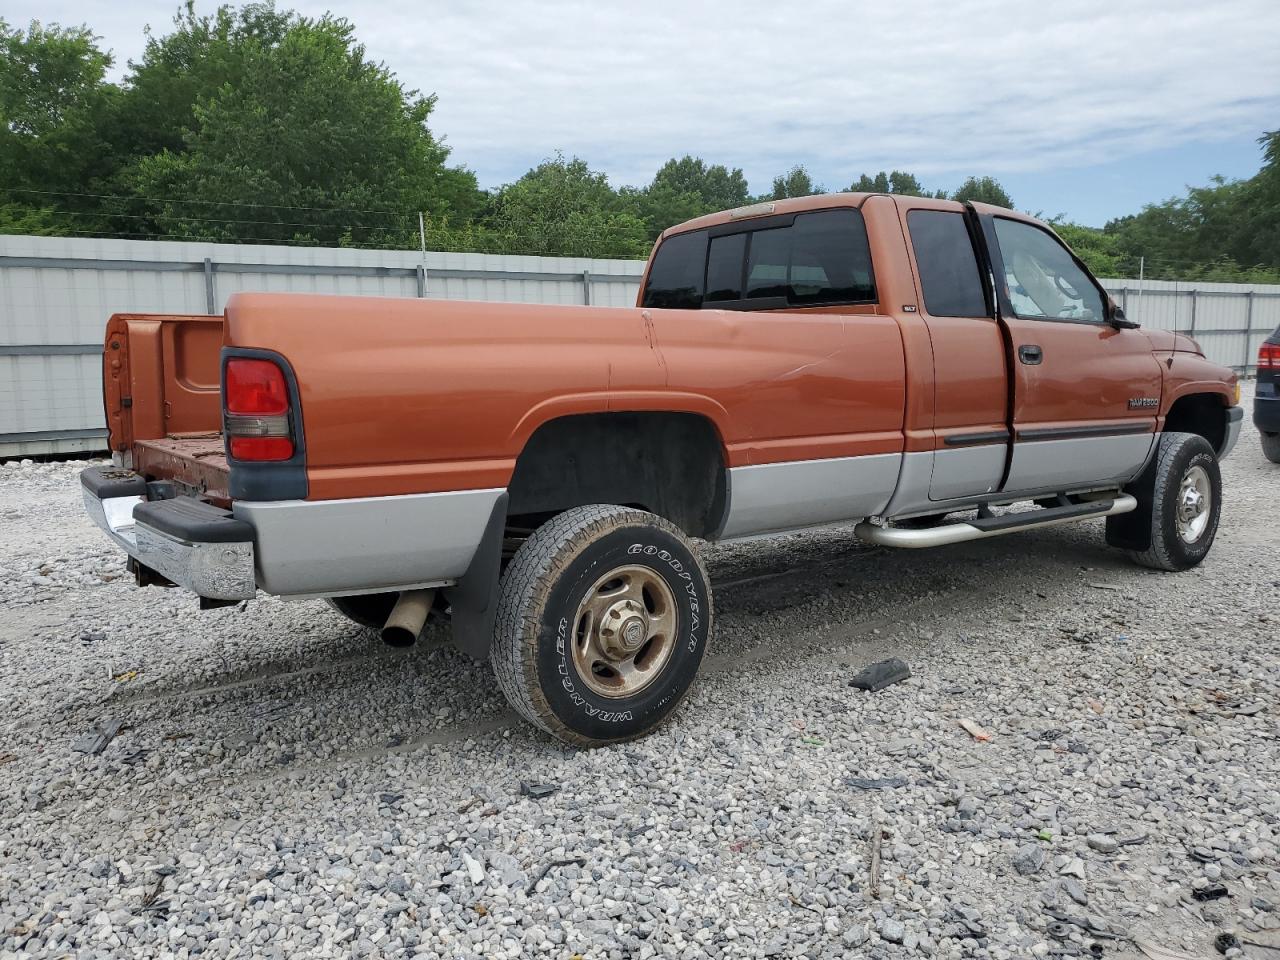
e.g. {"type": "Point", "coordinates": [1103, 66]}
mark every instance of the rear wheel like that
{"type": "Point", "coordinates": [602, 622]}
{"type": "Point", "coordinates": [1185, 503]}
{"type": "Point", "coordinates": [1271, 446]}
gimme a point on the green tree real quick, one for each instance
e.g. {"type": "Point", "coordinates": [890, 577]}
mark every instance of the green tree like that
{"type": "Point", "coordinates": [1258, 216]}
{"type": "Point", "coordinates": [983, 190]}
{"type": "Point", "coordinates": [194, 62]}
{"type": "Point", "coordinates": [796, 182]}
{"type": "Point", "coordinates": [1213, 232]}
{"type": "Point", "coordinates": [714, 184]}
{"type": "Point", "coordinates": [52, 89]}
{"type": "Point", "coordinates": [686, 188]}
{"type": "Point", "coordinates": [563, 208]}
{"type": "Point", "coordinates": [900, 182]}
{"type": "Point", "coordinates": [1100, 251]}
{"type": "Point", "coordinates": [311, 135]}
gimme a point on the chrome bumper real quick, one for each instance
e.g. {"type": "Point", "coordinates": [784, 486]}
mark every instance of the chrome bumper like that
{"type": "Point", "coordinates": [219, 571]}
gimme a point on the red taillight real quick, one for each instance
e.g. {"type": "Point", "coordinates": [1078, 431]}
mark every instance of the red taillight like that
{"type": "Point", "coordinates": [261, 448]}
{"type": "Point", "coordinates": [256, 399]}
{"type": "Point", "coordinates": [256, 387]}
{"type": "Point", "coordinates": [1269, 356]}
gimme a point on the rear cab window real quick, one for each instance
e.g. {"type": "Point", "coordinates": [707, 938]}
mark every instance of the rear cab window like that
{"type": "Point", "coordinates": [676, 277]}
{"type": "Point", "coordinates": [820, 258]}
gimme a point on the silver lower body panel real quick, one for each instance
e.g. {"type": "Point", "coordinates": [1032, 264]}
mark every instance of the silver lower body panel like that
{"type": "Point", "coordinates": [805, 493]}
{"type": "Point", "coordinates": [1079, 460]}
{"type": "Point", "coordinates": [369, 544]}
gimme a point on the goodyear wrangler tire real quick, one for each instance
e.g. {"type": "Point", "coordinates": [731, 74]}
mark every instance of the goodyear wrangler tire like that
{"type": "Point", "coordinates": [602, 622]}
{"type": "Point", "coordinates": [1183, 503]}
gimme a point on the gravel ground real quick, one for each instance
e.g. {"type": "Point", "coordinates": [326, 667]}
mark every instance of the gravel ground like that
{"type": "Point", "coordinates": [283, 785]}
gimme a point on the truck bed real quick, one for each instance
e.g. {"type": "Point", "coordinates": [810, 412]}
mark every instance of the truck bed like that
{"type": "Point", "coordinates": [196, 462]}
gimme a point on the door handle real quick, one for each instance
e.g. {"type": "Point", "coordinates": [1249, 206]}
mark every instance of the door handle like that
{"type": "Point", "coordinates": [1030, 354]}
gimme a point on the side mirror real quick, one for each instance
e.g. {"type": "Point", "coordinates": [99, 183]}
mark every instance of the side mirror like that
{"type": "Point", "coordinates": [1118, 320]}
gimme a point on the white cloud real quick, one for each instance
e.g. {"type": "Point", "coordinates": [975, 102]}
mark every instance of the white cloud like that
{"type": "Point", "coordinates": [936, 88]}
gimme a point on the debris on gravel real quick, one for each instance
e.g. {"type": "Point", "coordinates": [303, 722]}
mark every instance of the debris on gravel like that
{"type": "Point", "coordinates": [282, 784]}
{"type": "Point", "coordinates": [877, 676]}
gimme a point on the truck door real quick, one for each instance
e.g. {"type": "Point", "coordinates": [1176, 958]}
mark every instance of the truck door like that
{"type": "Point", "coordinates": [1085, 394]}
{"type": "Point", "coordinates": [970, 374]}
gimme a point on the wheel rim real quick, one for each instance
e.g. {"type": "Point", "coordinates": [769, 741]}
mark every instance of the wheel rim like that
{"type": "Point", "coordinates": [1195, 504]}
{"type": "Point", "coordinates": [624, 631]}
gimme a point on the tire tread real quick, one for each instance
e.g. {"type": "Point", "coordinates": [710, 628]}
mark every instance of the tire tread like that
{"type": "Point", "coordinates": [1158, 556]}
{"type": "Point", "coordinates": [523, 594]}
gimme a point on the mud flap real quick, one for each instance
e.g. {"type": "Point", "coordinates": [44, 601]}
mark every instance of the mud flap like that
{"type": "Point", "coordinates": [1132, 530]}
{"type": "Point", "coordinates": [473, 600]}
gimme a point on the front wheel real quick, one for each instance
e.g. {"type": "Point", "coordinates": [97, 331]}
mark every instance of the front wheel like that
{"type": "Point", "coordinates": [1271, 446]}
{"type": "Point", "coordinates": [602, 622]}
{"type": "Point", "coordinates": [1185, 503]}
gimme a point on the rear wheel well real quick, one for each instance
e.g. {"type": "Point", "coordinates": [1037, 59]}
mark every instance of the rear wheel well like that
{"type": "Point", "coordinates": [1199, 413]}
{"type": "Point", "coordinates": [670, 464]}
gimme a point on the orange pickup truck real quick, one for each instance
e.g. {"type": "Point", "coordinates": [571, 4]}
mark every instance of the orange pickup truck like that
{"type": "Point", "coordinates": [537, 474]}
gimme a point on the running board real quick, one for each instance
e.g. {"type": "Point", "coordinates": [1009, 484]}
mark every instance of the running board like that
{"type": "Point", "coordinates": [995, 526]}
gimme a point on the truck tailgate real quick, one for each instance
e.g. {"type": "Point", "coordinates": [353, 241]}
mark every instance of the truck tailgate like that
{"type": "Point", "coordinates": [161, 391]}
{"type": "Point", "coordinates": [160, 377]}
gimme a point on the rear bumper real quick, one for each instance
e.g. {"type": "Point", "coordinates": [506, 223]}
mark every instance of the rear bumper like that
{"type": "Point", "coordinates": [188, 542]}
{"type": "Point", "coordinates": [1266, 414]}
{"type": "Point", "coordinates": [293, 548]}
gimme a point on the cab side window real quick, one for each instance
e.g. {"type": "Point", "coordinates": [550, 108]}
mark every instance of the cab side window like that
{"type": "Point", "coordinates": [1043, 279]}
{"type": "Point", "coordinates": [947, 263]}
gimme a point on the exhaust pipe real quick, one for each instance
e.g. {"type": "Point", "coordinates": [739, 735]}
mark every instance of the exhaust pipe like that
{"type": "Point", "coordinates": [408, 617]}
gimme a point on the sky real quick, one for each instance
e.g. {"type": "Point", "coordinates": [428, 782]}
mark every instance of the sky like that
{"type": "Point", "coordinates": [1082, 108]}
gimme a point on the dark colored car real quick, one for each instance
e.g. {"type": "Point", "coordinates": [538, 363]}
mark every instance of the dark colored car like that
{"type": "Point", "coordinates": [1266, 399]}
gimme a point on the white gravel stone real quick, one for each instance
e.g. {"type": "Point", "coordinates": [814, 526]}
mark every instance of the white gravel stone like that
{"type": "Point", "coordinates": [283, 785]}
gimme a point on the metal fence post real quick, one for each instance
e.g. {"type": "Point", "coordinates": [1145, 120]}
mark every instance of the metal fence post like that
{"type": "Point", "coordinates": [1124, 299]}
{"type": "Point", "coordinates": [421, 274]}
{"type": "Point", "coordinates": [1248, 332]}
{"type": "Point", "coordinates": [586, 287]}
{"type": "Point", "coordinates": [1192, 332]}
{"type": "Point", "coordinates": [210, 298]}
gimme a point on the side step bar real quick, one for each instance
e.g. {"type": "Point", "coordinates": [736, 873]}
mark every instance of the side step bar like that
{"type": "Point", "coordinates": [995, 526]}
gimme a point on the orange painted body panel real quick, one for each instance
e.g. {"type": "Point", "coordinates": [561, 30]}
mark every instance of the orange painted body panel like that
{"type": "Point", "coordinates": [438, 395]}
{"type": "Point", "coordinates": [1089, 374]}
{"type": "Point", "coordinates": [963, 377]}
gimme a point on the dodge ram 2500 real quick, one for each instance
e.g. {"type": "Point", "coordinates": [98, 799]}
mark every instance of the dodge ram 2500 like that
{"type": "Point", "coordinates": [537, 474]}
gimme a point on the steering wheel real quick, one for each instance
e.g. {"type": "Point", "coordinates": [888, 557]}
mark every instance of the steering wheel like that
{"type": "Point", "coordinates": [1065, 288]}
